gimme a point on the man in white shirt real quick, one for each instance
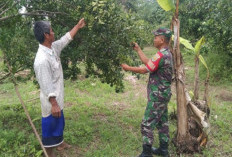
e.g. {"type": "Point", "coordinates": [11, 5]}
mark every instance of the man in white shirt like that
{"type": "Point", "coordinates": [49, 74]}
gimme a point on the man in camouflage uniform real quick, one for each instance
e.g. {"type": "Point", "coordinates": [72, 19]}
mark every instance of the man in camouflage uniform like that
{"type": "Point", "coordinates": [160, 68]}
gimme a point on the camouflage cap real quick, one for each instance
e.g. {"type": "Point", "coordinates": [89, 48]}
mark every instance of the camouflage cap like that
{"type": "Point", "coordinates": [163, 31]}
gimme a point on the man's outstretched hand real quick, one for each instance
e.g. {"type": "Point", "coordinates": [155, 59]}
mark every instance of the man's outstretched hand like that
{"type": "Point", "coordinates": [78, 26]}
{"type": "Point", "coordinates": [125, 67]}
{"type": "Point", "coordinates": [81, 23]}
{"type": "Point", "coordinates": [136, 47]}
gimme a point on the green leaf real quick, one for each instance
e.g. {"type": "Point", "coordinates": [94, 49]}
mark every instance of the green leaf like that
{"type": "Point", "coordinates": [203, 61]}
{"type": "Point", "coordinates": [167, 5]}
{"type": "Point", "coordinates": [94, 3]}
{"type": "Point", "coordinates": [1, 54]}
{"type": "Point", "coordinates": [39, 153]}
{"type": "Point", "coordinates": [101, 22]}
{"type": "Point", "coordinates": [198, 45]}
{"type": "Point", "coordinates": [191, 94]}
{"type": "Point", "coordinates": [38, 118]}
{"type": "Point", "coordinates": [186, 43]}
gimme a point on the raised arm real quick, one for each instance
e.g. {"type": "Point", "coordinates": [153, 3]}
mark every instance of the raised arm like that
{"type": "Point", "coordinates": [142, 56]}
{"type": "Point", "coordinates": [67, 38]}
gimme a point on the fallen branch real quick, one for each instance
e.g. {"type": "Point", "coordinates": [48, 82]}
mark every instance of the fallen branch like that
{"type": "Point", "coordinates": [25, 110]}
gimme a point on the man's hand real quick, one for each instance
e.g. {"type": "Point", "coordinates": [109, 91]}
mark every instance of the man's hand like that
{"type": "Point", "coordinates": [56, 112]}
{"type": "Point", "coordinates": [142, 56]}
{"type": "Point", "coordinates": [125, 67]}
{"type": "Point", "coordinates": [81, 23]}
{"type": "Point", "coordinates": [141, 70]}
{"type": "Point", "coordinates": [136, 47]}
{"type": "Point", "coordinates": [78, 26]}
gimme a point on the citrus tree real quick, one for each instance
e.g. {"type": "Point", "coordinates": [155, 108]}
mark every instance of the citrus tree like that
{"type": "Point", "coordinates": [102, 45]}
{"type": "Point", "coordinates": [15, 43]}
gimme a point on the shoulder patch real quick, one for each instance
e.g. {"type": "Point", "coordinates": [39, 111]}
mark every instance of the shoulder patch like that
{"type": "Point", "coordinates": [153, 63]}
{"type": "Point", "coordinates": [157, 56]}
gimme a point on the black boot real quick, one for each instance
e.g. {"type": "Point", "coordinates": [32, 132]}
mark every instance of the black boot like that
{"type": "Point", "coordinates": [146, 151]}
{"type": "Point", "coordinates": [162, 150]}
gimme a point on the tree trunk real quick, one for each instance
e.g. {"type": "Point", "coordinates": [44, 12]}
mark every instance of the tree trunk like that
{"type": "Point", "coordinates": [206, 93]}
{"type": "Point", "coordinates": [191, 119]}
{"type": "Point", "coordinates": [180, 79]}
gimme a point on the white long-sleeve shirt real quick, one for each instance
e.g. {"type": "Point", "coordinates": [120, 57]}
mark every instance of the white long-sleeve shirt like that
{"type": "Point", "coordinates": [49, 73]}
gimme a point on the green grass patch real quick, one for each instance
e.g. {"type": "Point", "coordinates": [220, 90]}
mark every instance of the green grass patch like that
{"type": "Point", "coordinates": [102, 123]}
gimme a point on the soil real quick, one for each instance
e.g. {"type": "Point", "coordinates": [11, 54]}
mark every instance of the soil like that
{"type": "Point", "coordinates": [224, 95]}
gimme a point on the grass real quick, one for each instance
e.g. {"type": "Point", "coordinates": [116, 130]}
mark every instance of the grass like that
{"type": "Point", "coordinates": [102, 123]}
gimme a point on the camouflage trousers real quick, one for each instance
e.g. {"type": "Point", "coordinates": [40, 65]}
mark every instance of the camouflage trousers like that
{"type": "Point", "coordinates": [155, 116]}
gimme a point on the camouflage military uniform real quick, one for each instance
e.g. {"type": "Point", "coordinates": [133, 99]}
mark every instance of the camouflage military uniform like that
{"type": "Point", "coordinates": [159, 94]}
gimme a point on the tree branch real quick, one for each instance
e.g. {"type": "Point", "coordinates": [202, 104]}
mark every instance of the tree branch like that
{"type": "Point", "coordinates": [8, 8]}
{"type": "Point", "coordinates": [50, 12]}
{"type": "Point", "coordinates": [4, 77]}
{"type": "Point", "coordinates": [46, 13]}
{"type": "Point", "coordinates": [42, 13]}
{"type": "Point", "coordinates": [7, 17]}
{"type": "Point", "coordinates": [8, 74]}
{"type": "Point", "coordinates": [3, 5]}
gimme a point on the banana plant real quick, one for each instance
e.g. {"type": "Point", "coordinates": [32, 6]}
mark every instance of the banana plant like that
{"type": "Point", "coordinates": [198, 57]}
{"type": "Point", "coordinates": [187, 110]}
{"type": "Point", "coordinates": [197, 54]}
{"type": "Point", "coordinates": [167, 5]}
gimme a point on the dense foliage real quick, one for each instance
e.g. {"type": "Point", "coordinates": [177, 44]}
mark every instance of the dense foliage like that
{"type": "Point", "coordinates": [148, 10]}
{"type": "Point", "coordinates": [111, 26]}
{"type": "Point", "coordinates": [102, 45]}
{"type": "Point", "coordinates": [15, 39]}
{"type": "Point", "coordinates": [212, 19]}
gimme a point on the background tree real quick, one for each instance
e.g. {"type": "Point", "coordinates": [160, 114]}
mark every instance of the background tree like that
{"type": "Point", "coordinates": [211, 18]}
{"type": "Point", "coordinates": [14, 37]}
